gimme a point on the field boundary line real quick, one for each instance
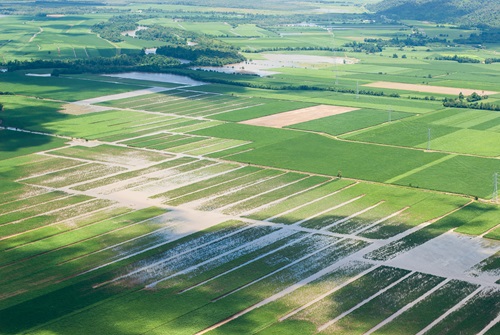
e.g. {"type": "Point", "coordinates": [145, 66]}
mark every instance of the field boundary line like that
{"type": "Point", "coordinates": [238, 248]}
{"type": "Point", "coordinates": [79, 241]}
{"type": "Point", "coordinates": [171, 225]}
{"type": "Point", "coordinates": [45, 213]}
{"type": "Point", "coordinates": [205, 188]}
{"type": "Point", "coordinates": [269, 204]}
{"type": "Point", "coordinates": [328, 210]}
{"type": "Point", "coordinates": [408, 306]}
{"type": "Point", "coordinates": [373, 224]}
{"type": "Point", "coordinates": [420, 168]}
{"type": "Point", "coordinates": [228, 148]}
{"type": "Point", "coordinates": [385, 289]}
{"type": "Point", "coordinates": [324, 295]}
{"type": "Point", "coordinates": [351, 216]}
{"type": "Point", "coordinates": [114, 205]}
{"type": "Point", "coordinates": [164, 260]}
{"type": "Point", "coordinates": [238, 188]}
{"type": "Point", "coordinates": [252, 260]}
{"type": "Point", "coordinates": [280, 269]}
{"type": "Point", "coordinates": [490, 325]}
{"type": "Point", "coordinates": [449, 311]}
{"type": "Point", "coordinates": [310, 202]}
{"type": "Point", "coordinates": [137, 187]}
{"type": "Point", "coordinates": [284, 292]}
{"type": "Point", "coordinates": [260, 194]}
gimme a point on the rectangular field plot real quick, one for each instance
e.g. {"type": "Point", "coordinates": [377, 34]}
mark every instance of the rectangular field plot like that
{"type": "Point", "coordinates": [473, 317]}
{"type": "Point", "coordinates": [404, 133]}
{"type": "Point", "coordinates": [32, 165]}
{"type": "Point", "coordinates": [112, 154]}
{"type": "Point", "coordinates": [382, 306]}
{"type": "Point", "coordinates": [187, 103]}
{"type": "Point", "coordinates": [428, 309]}
{"type": "Point", "coordinates": [299, 200]}
{"type": "Point", "coordinates": [467, 141]}
{"type": "Point", "coordinates": [455, 175]}
{"type": "Point", "coordinates": [322, 311]}
{"type": "Point", "coordinates": [122, 177]}
{"type": "Point", "coordinates": [74, 175]}
{"type": "Point", "coordinates": [347, 122]}
{"type": "Point", "coordinates": [185, 174]}
{"type": "Point", "coordinates": [252, 190]}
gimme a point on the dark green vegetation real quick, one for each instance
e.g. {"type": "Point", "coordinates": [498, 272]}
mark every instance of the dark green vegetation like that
{"type": "Point", "coordinates": [461, 12]}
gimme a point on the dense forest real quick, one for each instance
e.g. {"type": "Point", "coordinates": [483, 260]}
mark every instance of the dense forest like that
{"type": "Point", "coordinates": [467, 13]}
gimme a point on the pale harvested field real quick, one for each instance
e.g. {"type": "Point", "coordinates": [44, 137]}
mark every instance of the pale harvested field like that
{"type": "Point", "coordinates": [298, 116]}
{"type": "Point", "coordinates": [76, 109]}
{"type": "Point", "coordinates": [427, 88]}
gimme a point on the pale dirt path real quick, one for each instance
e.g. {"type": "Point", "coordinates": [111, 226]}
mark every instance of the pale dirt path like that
{"type": "Point", "coordinates": [451, 310]}
{"type": "Point", "coordinates": [407, 307]}
{"type": "Point", "coordinates": [490, 325]}
{"type": "Point", "coordinates": [35, 35]}
{"type": "Point", "coordinates": [428, 88]}
{"type": "Point", "coordinates": [385, 289]}
{"type": "Point", "coordinates": [125, 95]}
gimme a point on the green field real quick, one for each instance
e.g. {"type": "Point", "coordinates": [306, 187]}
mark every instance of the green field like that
{"type": "Point", "coordinates": [137, 206]}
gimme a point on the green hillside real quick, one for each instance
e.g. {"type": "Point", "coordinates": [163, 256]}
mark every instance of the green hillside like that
{"type": "Point", "coordinates": [466, 12]}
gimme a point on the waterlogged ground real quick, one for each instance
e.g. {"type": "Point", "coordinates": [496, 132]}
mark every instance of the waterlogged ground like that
{"type": "Point", "coordinates": [144, 224]}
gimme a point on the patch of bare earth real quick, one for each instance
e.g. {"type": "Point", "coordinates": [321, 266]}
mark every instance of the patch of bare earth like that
{"type": "Point", "coordinates": [427, 88]}
{"type": "Point", "coordinates": [77, 109]}
{"type": "Point", "coordinates": [298, 116]}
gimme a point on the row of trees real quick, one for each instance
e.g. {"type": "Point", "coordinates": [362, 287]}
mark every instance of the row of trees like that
{"type": "Point", "coordinates": [473, 101]}
{"type": "Point", "coordinates": [124, 62]}
{"type": "Point", "coordinates": [460, 59]}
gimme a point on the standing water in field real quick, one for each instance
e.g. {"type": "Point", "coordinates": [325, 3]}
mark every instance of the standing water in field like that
{"type": "Point", "coordinates": [160, 77]}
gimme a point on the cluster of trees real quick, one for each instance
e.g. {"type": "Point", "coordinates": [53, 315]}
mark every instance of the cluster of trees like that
{"type": "Point", "coordinates": [491, 60]}
{"type": "Point", "coordinates": [491, 35]}
{"type": "Point", "coordinates": [112, 29]}
{"type": "Point", "coordinates": [472, 101]}
{"type": "Point", "coordinates": [460, 59]}
{"type": "Point", "coordinates": [364, 47]}
{"type": "Point", "coordinates": [124, 62]}
{"type": "Point", "coordinates": [413, 40]}
{"type": "Point", "coordinates": [165, 34]}
{"type": "Point", "coordinates": [203, 55]}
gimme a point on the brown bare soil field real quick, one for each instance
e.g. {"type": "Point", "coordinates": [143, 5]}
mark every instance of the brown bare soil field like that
{"type": "Point", "coordinates": [427, 88]}
{"type": "Point", "coordinates": [298, 116]}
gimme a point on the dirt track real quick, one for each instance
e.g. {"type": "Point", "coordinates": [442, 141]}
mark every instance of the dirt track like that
{"type": "Point", "coordinates": [428, 88]}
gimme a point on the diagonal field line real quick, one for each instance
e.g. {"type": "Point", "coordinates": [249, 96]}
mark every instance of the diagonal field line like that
{"type": "Point", "coordinates": [380, 221]}
{"type": "Point", "coordinates": [449, 311]}
{"type": "Point", "coordinates": [407, 307]}
{"type": "Point", "coordinates": [310, 202]}
{"type": "Point", "coordinates": [331, 322]}
{"type": "Point", "coordinates": [490, 325]}
{"type": "Point", "coordinates": [270, 237]}
{"type": "Point", "coordinates": [351, 216]}
{"type": "Point", "coordinates": [280, 269]}
{"type": "Point", "coordinates": [165, 260]}
{"type": "Point", "coordinates": [321, 297]}
{"type": "Point", "coordinates": [418, 169]}
{"type": "Point", "coordinates": [328, 210]}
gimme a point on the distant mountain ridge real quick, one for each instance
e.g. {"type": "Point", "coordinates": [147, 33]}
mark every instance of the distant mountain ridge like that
{"type": "Point", "coordinates": [463, 12]}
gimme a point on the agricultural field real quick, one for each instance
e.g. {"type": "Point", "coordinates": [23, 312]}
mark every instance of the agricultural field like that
{"type": "Point", "coordinates": [313, 200]}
